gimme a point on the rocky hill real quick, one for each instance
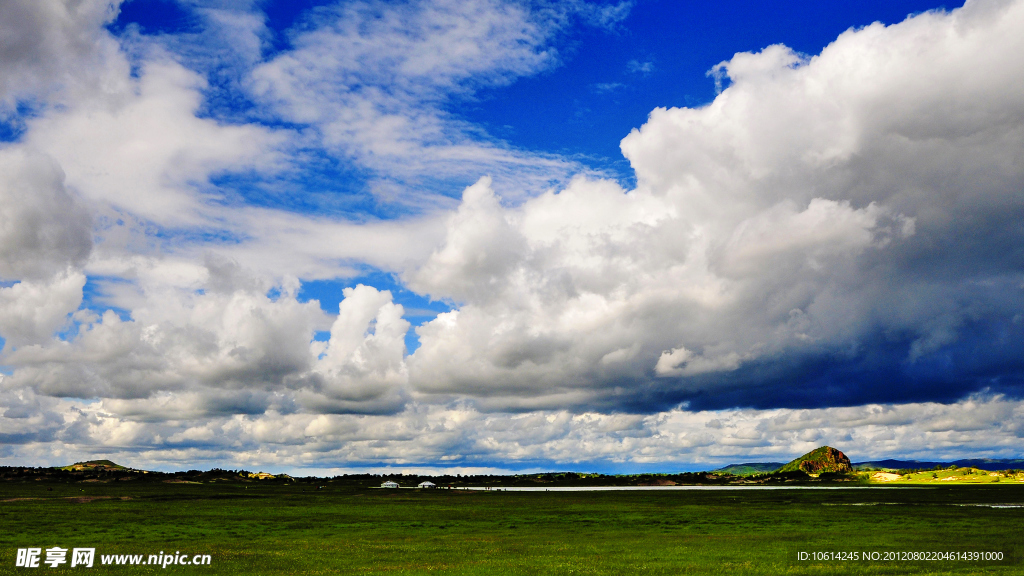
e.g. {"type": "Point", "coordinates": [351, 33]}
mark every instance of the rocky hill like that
{"type": "Point", "coordinates": [819, 460]}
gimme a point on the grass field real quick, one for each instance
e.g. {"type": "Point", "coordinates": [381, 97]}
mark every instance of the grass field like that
{"type": "Point", "coordinates": [282, 528]}
{"type": "Point", "coordinates": [950, 475]}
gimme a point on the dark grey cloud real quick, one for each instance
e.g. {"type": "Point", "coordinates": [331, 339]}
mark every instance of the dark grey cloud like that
{"type": "Point", "coordinates": [51, 44]}
{"type": "Point", "coordinates": [43, 229]}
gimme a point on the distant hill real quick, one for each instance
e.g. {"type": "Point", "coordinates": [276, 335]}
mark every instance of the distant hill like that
{"type": "Point", "coordinates": [819, 460]}
{"type": "Point", "coordinates": [897, 465]}
{"type": "Point", "coordinates": [749, 468]}
{"type": "Point", "coordinates": [990, 464]}
{"type": "Point", "coordinates": [95, 465]}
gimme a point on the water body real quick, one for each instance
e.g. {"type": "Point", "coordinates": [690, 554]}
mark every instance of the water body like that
{"type": "Point", "coordinates": [625, 488]}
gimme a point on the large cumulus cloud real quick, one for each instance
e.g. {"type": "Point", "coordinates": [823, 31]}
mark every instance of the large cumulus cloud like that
{"type": "Point", "coordinates": [842, 228]}
{"type": "Point", "coordinates": [218, 343]}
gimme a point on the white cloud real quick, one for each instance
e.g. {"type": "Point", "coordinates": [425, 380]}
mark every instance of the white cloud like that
{"type": "Point", "coordinates": [319, 247]}
{"type": "Point", "coordinates": [362, 365]}
{"type": "Point", "coordinates": [638, 67]}
{"type": "Point", "coordinates": [458, 436]}
{"type": "Point", "coordinates": [30, 311]}
{"type": "Point", "coordinates": [375, 80]}
{"type": "Point", "coordinates": [213, 344]}
{"type": "Point", "coordinates": [231, 336]}
{"type": "Point", "coordinates": [683, 362]}
{"type": "Point", "coordinates": [142, 149]}
{"type": "Point", "coordinates": [796, 216]}
{"type": "Point", "coordinates": [479, 252]}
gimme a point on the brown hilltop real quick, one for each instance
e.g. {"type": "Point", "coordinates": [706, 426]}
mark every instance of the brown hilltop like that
{"type": "Point", "coordinates": [94, 465]}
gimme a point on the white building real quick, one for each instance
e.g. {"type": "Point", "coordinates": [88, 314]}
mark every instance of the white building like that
{"type": "Point", "coordinates": [426, 484]}
{"type": "Point", "coordinates": [389, 484]}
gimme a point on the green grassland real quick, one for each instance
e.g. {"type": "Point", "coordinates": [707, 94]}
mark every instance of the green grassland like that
{"type": "Point", "coordinates": [295, 527]}
{"type": "Point", "coordinates": [947, 476]}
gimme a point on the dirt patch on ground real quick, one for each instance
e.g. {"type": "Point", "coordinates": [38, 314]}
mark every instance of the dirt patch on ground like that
{"type": "Point", "coordinates": [75, 499]}
{"type": "Point", "coordinates": [885, 477]}
{"type": "Point", "coordinates": [87, 499]}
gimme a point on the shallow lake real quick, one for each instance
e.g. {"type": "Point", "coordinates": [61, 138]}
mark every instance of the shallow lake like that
{"type": "Point", "coordinates": [617, 488]}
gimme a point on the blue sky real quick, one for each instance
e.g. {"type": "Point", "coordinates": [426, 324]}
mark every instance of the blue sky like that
{"type": "Point", "coordinates": [659, 55]}
{"type": "Point", "coordinates": [480, 235]}
{"type": "Point", "coordinates": [602, 83]}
